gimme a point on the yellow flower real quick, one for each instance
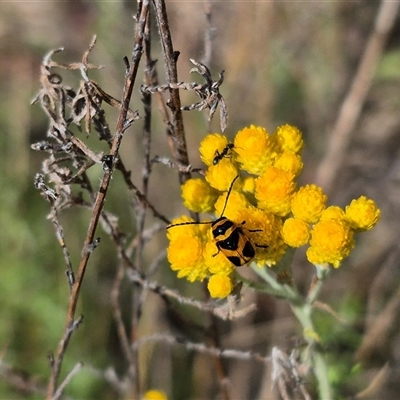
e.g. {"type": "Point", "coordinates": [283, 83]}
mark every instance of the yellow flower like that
{"type": "Point", "coordinates": [198, 196]}
{"type": "Point", "coordinates": [290, 138]}
{"type": "Point", "coordinates": [254, 148]}
{"type": "Point", "coordinates": [155, 395]}
{"type": "Point", "coordinates": [274, 191]}
{"type": "Point", "coordinates": [331, 241]}
{"type": "Point", "coordinates": [295, 232]}
{"type": "Point", "coordinates": [182, 230]}
{"type": "Point", "coordinates": [274, 162]}
{"type": "Point", "coordinates": [236, 202]}
{"type": "Point", "coordinates": [221, 175]}
{"type": "Point", "coordinates": [249, 185]}
{"type": "Point", "coordinates": [289, 162]}
{"type": "Point", "coordinates": [185, 254]}
{"type": "Point", "coordinates": [362, 214]}
{"type": "Point", "coordinates": [332, 212]}
{"type": "Point", "coordinates": [220, 286]}
{"type": "Point", "coordinates": [216, 261]}
{"type": "Point", "coordinates": [210, 145]}
{"type": "Point", "coordinates": [308, 203]}
{"type": "Point", "coordinates": [267, 241]}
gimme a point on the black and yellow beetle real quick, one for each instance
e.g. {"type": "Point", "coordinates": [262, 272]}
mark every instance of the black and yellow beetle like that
{"type": "Point", "coordinates": [230, 237]}
{"type": "Point", "coordinates": [224, 153]}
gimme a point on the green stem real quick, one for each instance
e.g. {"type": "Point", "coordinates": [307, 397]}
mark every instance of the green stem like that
{"type": "Point", "coordinates": [322, 375]}
{"type": "Point", "coordinates": [302, 309]}
{"type": "Point", "coordinates": [303, 312]}
{"type": "Point", "coordinates": [274, 287]}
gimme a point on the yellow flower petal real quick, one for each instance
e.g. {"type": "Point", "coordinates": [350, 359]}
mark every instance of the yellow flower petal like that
{"type": "Point", "coordinates": [274, 190]}
{"type": "Point", "coordinates": [290, 138]}
{"type": "Point", "coordinates": [295, 232]}
{"type": "Point", "coordinates": [332, 212]}
{"type": "Point", "coordinates": [221, 175]}
{"type": "Point", "coordinates": [289, 162]}
{"type": "Point", "coordinates": [249, 184]}
{"type": "Point", "coordinates": [220, 286]}
{"type": "Point", "coordinates": [263, 229]}
{"type": "Point", "coordinates": [236, 202]}
{"type": "Point", "coordinates": [211, 144]}
{"type": "Point", "coordinates": [185, 254]}
{"type": "Point", "coordinates": [362, 214]}
{"type": "Point", "coordinates": [216, 261]}
{"type": "Point", "coordinates": [331, 241]}
{"type": "Point", "coordinates": [308, 203]}
{"type": "Point", "coordinates": [176, 229]}
{"type": "Point", "coordinates": [155, 395]}
{"type": "Point", "coordinates": [198, 195]}
{"type": "Point", "coordinates": [254, 148]}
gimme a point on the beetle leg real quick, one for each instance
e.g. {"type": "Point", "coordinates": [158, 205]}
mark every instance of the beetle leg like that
{"type": "Point", "coordinates": [214, 255]}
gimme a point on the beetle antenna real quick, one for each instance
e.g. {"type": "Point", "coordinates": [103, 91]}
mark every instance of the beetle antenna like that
{"type": "Point", "coordinates": [229, 193]}
{"type": "Point", "coordinates": [189, 223]}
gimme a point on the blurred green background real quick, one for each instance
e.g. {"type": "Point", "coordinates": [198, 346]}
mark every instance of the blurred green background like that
{"type": "Point", "coordinates": [285, 62]}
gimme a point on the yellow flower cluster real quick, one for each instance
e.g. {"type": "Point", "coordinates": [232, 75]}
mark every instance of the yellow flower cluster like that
{"type": "Point", "coordinates": [268, 211]}
{"type": "Point", "coordinates": [331, 230]}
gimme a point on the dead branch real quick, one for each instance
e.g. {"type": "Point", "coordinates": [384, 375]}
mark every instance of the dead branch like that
{"type": "Point", "coordinates": [170, 58]}
{"type": "Point", "coordinates": [98, 204]}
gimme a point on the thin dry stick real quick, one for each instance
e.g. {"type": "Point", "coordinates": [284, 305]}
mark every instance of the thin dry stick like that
{"type": "Point", "coordinates": [139, 296]}
{"type": "Point", "coordinates": [146, 143]}
{"type": "Point", "coordinates": [222, 312]}
{"type": "Point", "coordinates": [138, 194]}
{"type": "Point", "coordinates": [60, 237]}
{"type": "Point", "coordinates": [117, 313]}
{"type": "Point", "coordinates": [208, 40]}
{"type": "Point", "coordinates": [67, 379]}
{"type": "Point", "coordinates": [351, 108]}
{"type": "Point", "coordinates": [209, 34]}
{"type": "Point", "coordinates": [202, 348]}
{"type": "Point", "coordinates": [98, 205]}
{"type": "Point", "coordinates": [170, 58]}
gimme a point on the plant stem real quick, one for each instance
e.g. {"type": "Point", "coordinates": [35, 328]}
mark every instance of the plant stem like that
{"type": "Point", "coordinates": [303, 313]}
{"type": "Point", "coordinates": [274, 287]}
{"type": "Point", "coordinates": [302, 308]}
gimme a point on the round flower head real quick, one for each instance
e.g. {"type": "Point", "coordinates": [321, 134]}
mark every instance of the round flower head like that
{"type": "Point", "coordinates": [220, 286]}
{"type": "Point", "coordinates": [274, 191]}
{"type": "Point", "coordinates": [216, 261]}
{"type": "Point", "coordinates": [198, 195]}
{"type": "Point", "coordinates": [182, 230]}
{"type": "Point", "coordinates": [221, 175]}
{"type": "Point", "coordinates": [236, 202]}
{"type": "Point", "coordinates": [362, 214]}
{"type": "Point", "coordinates": [331, 241]}
{"type": "Point", "coordinates": [249, 185]}
{"type": "Point", "coordinates": [289, 162]}
{"type": "Point", "coordinates": [290, 138]}
{"type": "Point", "coordinates": [254, 148]}
{"type": "Point", "coordinates": [155, 395]}
{"type": "Point", "coordinates": [210, 145]}
{"type": "Point", "coordinates": [295, 232]}
{"type": "Point", "coordinates": [267, 242]}
{"type": "Point", "coordinates": [332, 212]}
{"type": "Point", "coordinates": [308, 203]}
{"type": "Point", "coordinates": [185, 254]}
